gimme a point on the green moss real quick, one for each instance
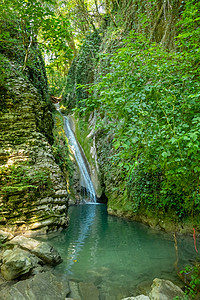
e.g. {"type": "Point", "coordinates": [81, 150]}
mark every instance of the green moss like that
{"type": "Point", "coordinates": [19, 178]}
{"type": "Point", "coordinates": [81, 132]}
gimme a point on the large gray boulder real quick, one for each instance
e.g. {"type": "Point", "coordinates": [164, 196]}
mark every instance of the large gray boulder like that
{"type": "Point", "coordinates": [164, 290]}
{"type": "Point", "coordinates": [43, 286]}
{"type": "Point", "coordinates": [41, 249]}
{"type": "Point", "coordinates": [17, 262]}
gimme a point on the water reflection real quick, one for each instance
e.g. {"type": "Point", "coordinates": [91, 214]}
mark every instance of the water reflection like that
{"type": "Point", "coordinates": [116, 253]}
{"type": "Point", "coordinates": [83, 228]}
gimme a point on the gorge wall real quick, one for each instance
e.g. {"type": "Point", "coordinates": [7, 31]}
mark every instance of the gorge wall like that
{"type": "Point", "coordinates": [33, 197]}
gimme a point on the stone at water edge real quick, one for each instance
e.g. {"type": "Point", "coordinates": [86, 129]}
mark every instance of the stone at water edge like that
{"type": "Point", "coordinates": [41, 249]}
{"type": "Point", "coordinates": [43, 286]}
{"type": "Point", "coordinates": [17, 262]}
{"type": "Point", "coordinates": [164, 290]}
{"type": "Point", "coordinates": [140, 297]}
{"type": "Point", "coordinates": [5, 236]}
{"type": "Point", "coordinates": [88, 291]}
{"type": "Point", "coordinates": [74, 291]}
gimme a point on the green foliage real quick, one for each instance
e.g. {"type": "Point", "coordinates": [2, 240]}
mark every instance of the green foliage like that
{"type": "Point", "coordinates": [191, 275]}
{"type": "Point", "coordinates": [56, 81]}
{"type": "Point", "coordinates": [189, 30]}
{"type": "Point", "coordinates": [35, 68]}
{"type": "Point", "coordinates": [23, 21]}
{"type": "Point", "coordinates": [36, 73]}
{"type": "Point", "coordinates": [82, 71]}
{"type": "Point", "coordinates": [55, 32]}
{"type": "Point", "coordinates": [149, 103]}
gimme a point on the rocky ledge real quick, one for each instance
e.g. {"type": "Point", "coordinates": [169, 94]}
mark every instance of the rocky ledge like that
{"type": "Point", "coordinates": [26, 270]}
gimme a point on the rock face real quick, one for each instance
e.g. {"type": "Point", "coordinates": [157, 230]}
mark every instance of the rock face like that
{"type": "Point", "coordinates": [42, 250]}
{"type": "Point", "coordinates": [165, 290]}
{"type": "Point", "coordinates": [33, 195]}
{"type": "Point", "coordinates": [5, 236]}
{"type": "Point", "coordinates": [17, 262]}
{"type": "Point", "coordinates": [43, 286]}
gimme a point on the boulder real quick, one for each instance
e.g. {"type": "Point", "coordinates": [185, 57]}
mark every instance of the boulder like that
{"type": "Point", "coordinates": [88, 291]}
{"type": "Point", "coordinates": [5, 236]}
{"type": "Point", "coordinates": [41, 249]}
{"type": "Point", "coordinates": [140, 297]}
{"type": "Point", "coordinates": [164, 290]}
{"type": "Point", "coordinates": [74, 290]}
{"type": "Point", "coordinates": [17, 262]}
{"type": "Point", "coordinates": [43, 286]}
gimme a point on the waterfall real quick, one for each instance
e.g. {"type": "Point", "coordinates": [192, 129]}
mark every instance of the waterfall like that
{"type": "Point", "coordinates": [80, 161]}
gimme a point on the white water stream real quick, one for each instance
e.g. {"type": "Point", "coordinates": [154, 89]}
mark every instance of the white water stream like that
{"type": "Point", "coordinates": [87, 182]}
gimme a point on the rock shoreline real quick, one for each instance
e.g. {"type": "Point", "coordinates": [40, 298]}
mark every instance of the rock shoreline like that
{"type": "Point", "coordinates": [155, 222]}
{"type": "Point", "coordinates": [27, 274]}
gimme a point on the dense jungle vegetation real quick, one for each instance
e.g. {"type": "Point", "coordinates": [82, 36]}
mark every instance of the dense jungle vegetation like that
{"type": "Point", "coordinates": [138, 74]}
{"type": "Point", "coordinates": [130, 66]}
{"type": "Point", "coordinates": [134, 65]}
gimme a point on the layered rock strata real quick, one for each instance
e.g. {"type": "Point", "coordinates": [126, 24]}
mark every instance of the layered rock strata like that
{"type": "Point", "coordinates": [33, 195]}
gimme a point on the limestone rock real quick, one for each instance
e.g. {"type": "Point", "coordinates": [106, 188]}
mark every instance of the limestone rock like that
{"type": "Point", "coordinates": [17, 262]}
{"type": "Point", "coordinates": [5, 236]}
{"type": "Point", "coordinates": [43, 286]}
{"type": "Point", "coordinates": [164, 290]}
{"type": "Point", "coordinates": [41, 249]}
{"type": "Point", "coordinates": [88, 291]}
{"type": "Point", "coordinates": [33, 190]}
{"type": "Point", "coordinates": [74, 290]}
{"type": "Point", "coordinates": [140, 297]}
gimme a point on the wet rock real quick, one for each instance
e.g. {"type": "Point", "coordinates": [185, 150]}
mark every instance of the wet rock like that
{"type": "Point", "coordinates": [41, 249]}
{"type": "Point", "coordinates": [43, 286]}
{"type": "Point", "coordinates": [144, 287]}
{"type": "Point", "coordinates": [5, 236]}
{"type": "Point", "coordinates": [17, 262]}
{"type": "Point", "coordinates": [88, 291]}
{"type": "Point", "coordinates": [164, 290]}
{"type": "Point", "coordinates": [74, 290]}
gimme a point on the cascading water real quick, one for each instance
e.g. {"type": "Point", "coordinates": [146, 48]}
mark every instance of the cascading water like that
{"type": "Point", "coordinates": [80, 161]}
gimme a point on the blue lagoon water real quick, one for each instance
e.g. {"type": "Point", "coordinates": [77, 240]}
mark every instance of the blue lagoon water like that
{"type": "Point", "coordinates": [117, 255]}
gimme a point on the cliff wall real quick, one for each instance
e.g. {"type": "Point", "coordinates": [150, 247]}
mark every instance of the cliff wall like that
{"type": "Point", "coordinates": [33, 190]}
